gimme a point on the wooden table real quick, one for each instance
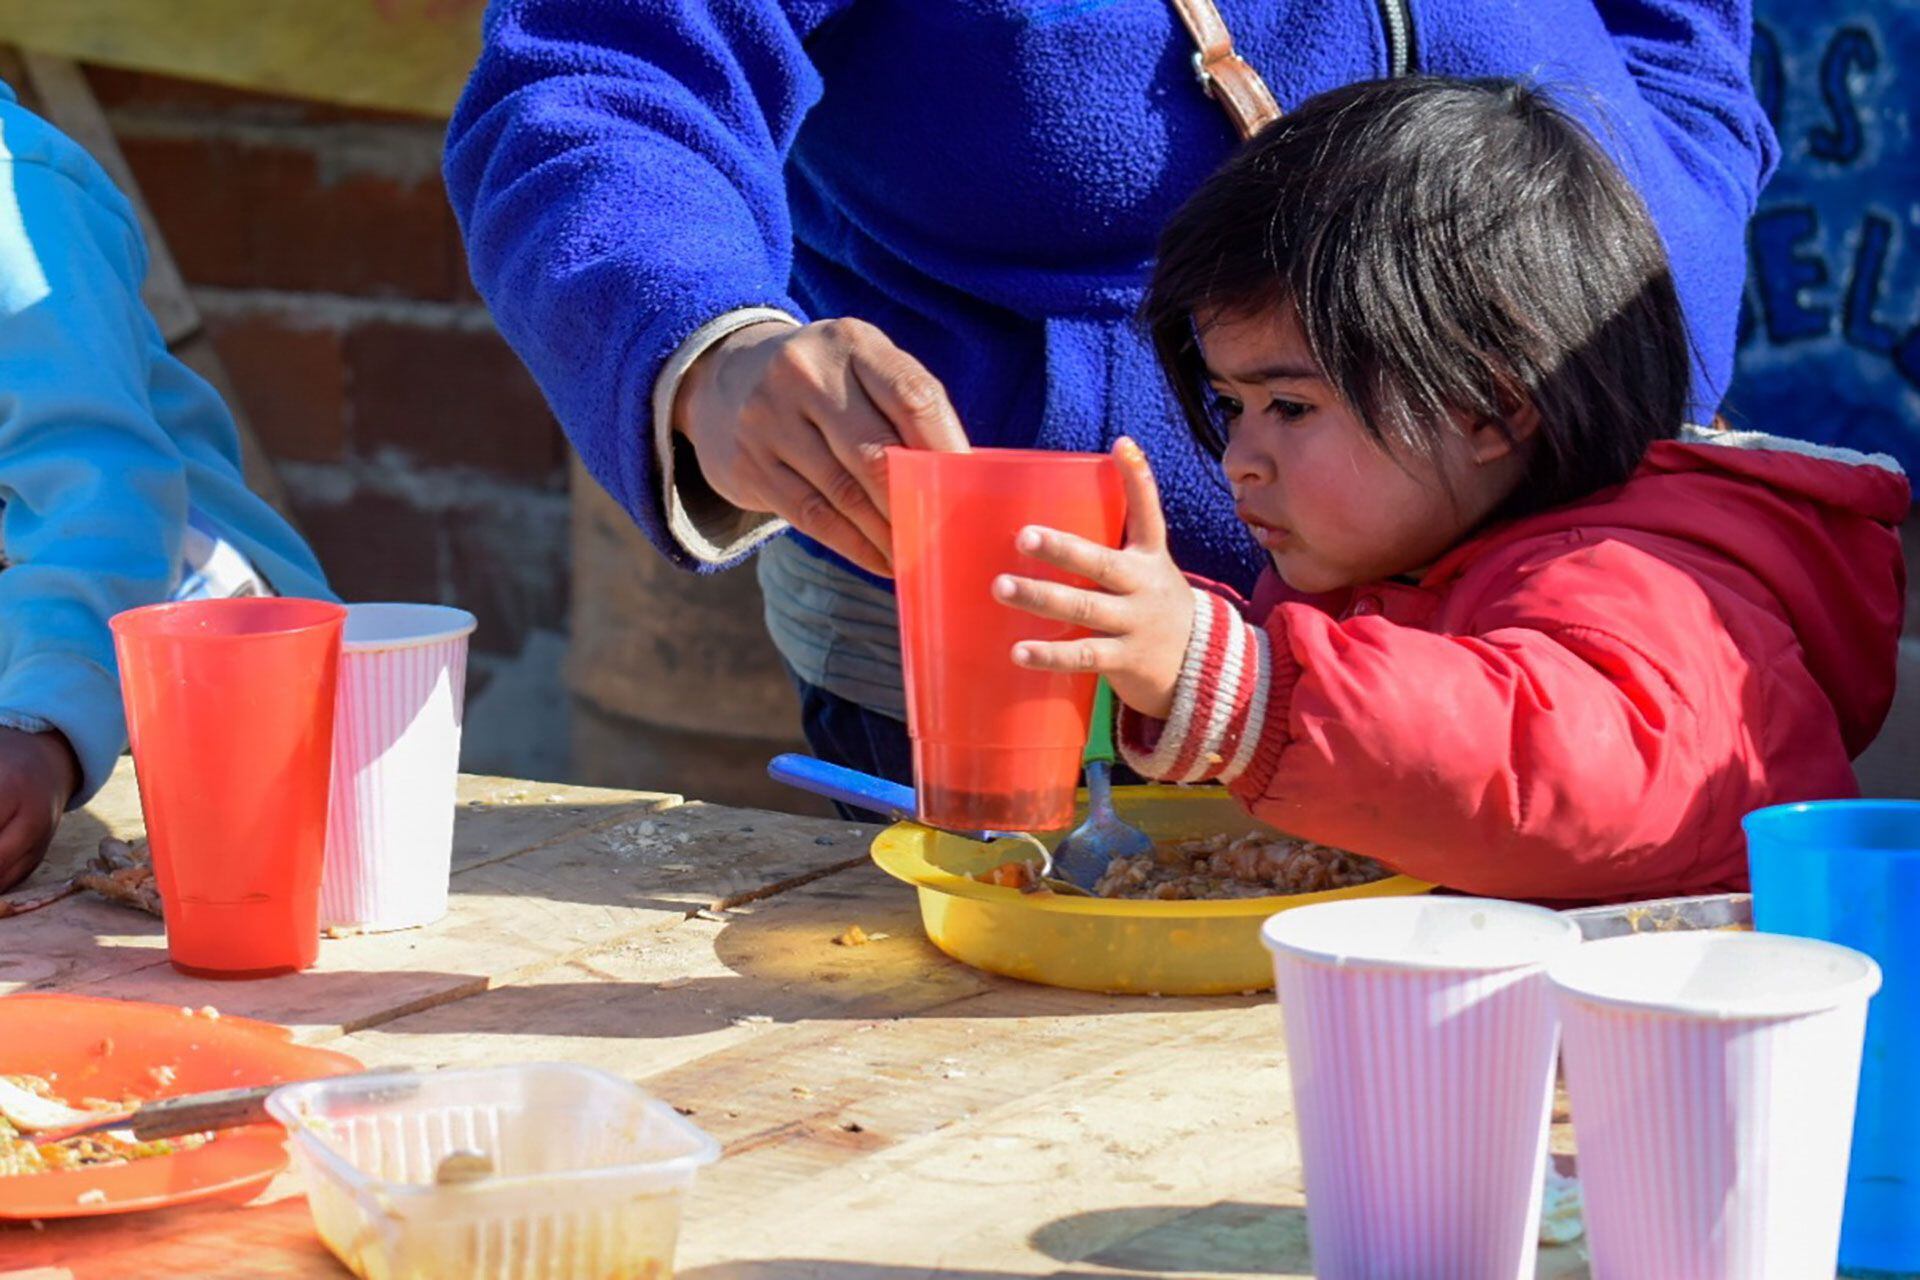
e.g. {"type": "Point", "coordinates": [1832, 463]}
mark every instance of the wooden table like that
{"type": "Point", "coordinates": [886, 1113]}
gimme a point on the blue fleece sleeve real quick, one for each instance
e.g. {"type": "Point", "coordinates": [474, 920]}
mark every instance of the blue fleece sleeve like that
{"type": "Point", "coordinates": [617, 170]}
{"type": "Point", "coordinates": [1692, 62]}
{"type": "Point", "coordinates": [1689, 60]}
{"type": "Point", "coordinates": [94, 490]}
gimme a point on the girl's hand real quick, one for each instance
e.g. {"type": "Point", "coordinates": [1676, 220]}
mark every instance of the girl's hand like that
{"type": "Point", "coordinates": [1142, 612]}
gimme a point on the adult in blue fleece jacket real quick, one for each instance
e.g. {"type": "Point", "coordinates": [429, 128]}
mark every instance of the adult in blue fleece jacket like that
{"type": "Point", "coordinates": [650, 189]}
{"type": "Point", "coordinates": [115, 459]}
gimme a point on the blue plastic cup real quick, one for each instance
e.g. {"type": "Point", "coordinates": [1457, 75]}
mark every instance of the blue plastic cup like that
{"type": "Point", "coordinates": [1848, 871]}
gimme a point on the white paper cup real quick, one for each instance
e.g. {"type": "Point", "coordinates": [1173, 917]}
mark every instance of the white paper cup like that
{"type": "Point", "coordinates": [1420, 1041]}
{"type": "Point", "coordinates": [396, 755]}
{"type": "Point", "coordinates": [1713, 1078]}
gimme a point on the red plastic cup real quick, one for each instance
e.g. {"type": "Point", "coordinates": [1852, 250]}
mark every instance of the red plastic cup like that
{"type": "Point", "coordinates": [994, 745]}
{"type": "Point", "coordinates": [230, 712]}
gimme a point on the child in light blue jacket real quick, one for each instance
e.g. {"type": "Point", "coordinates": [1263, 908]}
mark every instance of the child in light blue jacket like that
{"type": "Point", "coordinates": [120, 479]}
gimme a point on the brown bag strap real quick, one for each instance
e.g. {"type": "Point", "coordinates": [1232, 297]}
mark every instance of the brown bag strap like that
{"type": "Point", "coordinates": [1225, 76]}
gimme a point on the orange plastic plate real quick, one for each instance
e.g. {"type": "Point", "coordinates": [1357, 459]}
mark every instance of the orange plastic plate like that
{"type": "Point", "coordinates": [91, 1047]}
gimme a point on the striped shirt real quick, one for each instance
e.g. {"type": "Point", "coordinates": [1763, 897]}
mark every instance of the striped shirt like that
{"type": "Point", "coordinates": [835, 629]}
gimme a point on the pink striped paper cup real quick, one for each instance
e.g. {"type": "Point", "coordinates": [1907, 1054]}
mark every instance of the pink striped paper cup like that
{"type": "Point", "coordinates": [1420, 1042]}
{"type": "Point", "coordinates": [396, 755]}
{"type": "Point", "coordinates": [1713, 1078]}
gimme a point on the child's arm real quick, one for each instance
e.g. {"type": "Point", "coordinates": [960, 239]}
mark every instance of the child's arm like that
{"type": "Point", "coordinates": [1564, 741]}
{"type": "Point", "coordinates": [1535, 757]}
{"type": "Point", "coordinates": [93, 489]}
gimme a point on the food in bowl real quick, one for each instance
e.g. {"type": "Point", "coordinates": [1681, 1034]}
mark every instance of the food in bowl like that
{"type": "Point", "coordinates": [1253, 864]}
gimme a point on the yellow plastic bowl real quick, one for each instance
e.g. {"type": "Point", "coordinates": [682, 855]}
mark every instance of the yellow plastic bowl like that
{"type": "Point", "coordinates": [1098, 944]}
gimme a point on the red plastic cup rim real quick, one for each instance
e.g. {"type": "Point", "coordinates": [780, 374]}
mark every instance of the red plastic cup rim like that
{"type": "Point", "coordinates": [227, 619]}
{"type": "Point", "coordinates": [998, 457]}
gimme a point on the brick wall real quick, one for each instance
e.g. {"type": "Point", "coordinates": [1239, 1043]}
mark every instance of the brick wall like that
{"type": "Point", "coordinates": [420, 459]}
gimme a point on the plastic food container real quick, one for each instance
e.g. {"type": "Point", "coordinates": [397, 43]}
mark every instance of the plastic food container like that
{"type": "Point", "coordinates": [1193, 948]}
{"type": "Point", "coordinates": [590, 1173]}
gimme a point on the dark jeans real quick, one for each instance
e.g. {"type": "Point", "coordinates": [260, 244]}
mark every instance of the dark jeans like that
{"type": "Point", "coordinates": [845, 733]}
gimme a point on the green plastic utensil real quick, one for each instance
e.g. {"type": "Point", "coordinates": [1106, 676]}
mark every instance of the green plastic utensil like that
{"type": "Point", "coordinates": [1082, 857]}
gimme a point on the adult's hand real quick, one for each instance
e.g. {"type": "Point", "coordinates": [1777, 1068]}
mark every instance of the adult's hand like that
{"type": "Point", "coordinates": [38, 775]}
{"type": "Point", "coordinates": [795, 421]}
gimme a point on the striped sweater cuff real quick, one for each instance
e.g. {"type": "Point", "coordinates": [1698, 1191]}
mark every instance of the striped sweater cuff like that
{"type": "Point", "coordinates": [1219, 704]}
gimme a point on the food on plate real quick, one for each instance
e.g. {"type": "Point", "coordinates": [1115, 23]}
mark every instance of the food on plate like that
{"type": "Point", "coordinates": [21, 1154]}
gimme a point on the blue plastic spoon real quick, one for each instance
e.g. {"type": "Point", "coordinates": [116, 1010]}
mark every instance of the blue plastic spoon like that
{"type": "Point", "coordinates": [861, 790]}
{"type": "Point", "coordinates": [891, 799]}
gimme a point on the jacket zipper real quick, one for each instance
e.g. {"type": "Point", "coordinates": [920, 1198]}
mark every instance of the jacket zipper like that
{"type": "Point", "coordinates": [1396, 17]}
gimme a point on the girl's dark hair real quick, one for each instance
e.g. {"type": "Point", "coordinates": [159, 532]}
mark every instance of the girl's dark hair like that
{"type": "Point", "coordinates": [1450, 247]}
